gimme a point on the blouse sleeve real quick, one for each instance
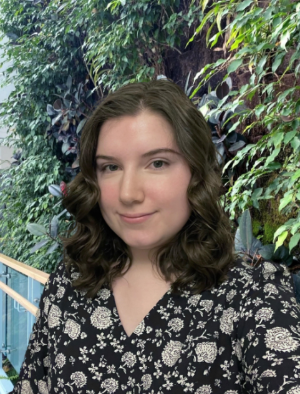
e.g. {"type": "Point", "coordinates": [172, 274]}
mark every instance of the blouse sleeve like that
{"type": "Point", "coordinates": [269, 333]}
{"type": "Point", "coordinates": [34, 370]}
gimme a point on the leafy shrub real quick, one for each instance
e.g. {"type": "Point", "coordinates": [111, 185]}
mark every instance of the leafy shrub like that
{"type": "Point", "coordinates": [257, 41]}
{"type": "Point", "coordinates": [69, 114]}
{"type": "Point", "coordinates": [25, 193]}
{"type": "Point", "coordinates": [253, 251]}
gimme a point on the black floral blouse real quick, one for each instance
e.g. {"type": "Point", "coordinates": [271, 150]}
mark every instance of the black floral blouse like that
{"type": "Point", "coordinates": [242, 337]}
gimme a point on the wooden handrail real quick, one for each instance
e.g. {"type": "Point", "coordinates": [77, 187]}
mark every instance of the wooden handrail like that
{"type": "Point", "coordinates": [21, 300]}
{"type": "Point", "coordinates": [25, 269]}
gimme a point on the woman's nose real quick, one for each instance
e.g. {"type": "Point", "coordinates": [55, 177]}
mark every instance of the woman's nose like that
{"type": "Point", "coordinates": [131, 188]}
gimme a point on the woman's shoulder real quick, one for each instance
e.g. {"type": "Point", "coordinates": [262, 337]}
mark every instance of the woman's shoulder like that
{"type": "Point", "coordinates": [58, 292]}
{"type": "Point", "coordinates": [263, 271]}
{"type": "Point", "coordinates": [260, 279]}
{"type": "Point", "coordinates": [60, 283]}
{"type": "Point", "coordinates": [60, 276]}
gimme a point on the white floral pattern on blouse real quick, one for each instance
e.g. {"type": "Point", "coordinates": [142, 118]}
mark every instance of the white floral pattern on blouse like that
{"type": "Point", "coordinates": [242, 337]}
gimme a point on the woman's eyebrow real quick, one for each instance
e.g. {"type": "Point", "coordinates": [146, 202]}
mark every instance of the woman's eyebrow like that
{"type": "Point", "coordinates": [147, 154]}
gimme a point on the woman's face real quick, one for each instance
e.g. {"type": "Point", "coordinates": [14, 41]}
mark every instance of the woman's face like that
{"type": "Point", "coordinates": [134, 183]}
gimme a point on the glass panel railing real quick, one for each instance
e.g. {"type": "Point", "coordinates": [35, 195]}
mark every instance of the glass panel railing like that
{"type": "Point", "coordinates": [17, 322]}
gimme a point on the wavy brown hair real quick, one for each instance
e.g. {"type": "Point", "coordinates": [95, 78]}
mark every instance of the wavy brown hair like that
{"type": "Point", "coordinates": [202, 252]}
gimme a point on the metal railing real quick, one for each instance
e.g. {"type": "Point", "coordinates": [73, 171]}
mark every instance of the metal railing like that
{"type": "Point", "coordinates": [21, 287]}
{"type": "Point", "coordinates": [30, 272]}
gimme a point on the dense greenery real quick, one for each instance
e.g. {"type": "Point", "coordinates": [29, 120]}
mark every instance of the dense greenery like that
{"type": "Point", "coordinates": [68, 56]}
{"type": "Point", "coordinates": [37, 72]}
{"type": "Point", "coordinates": [263, 42]}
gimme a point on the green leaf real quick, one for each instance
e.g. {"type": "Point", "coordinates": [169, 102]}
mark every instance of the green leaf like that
{"type": "Point", "coordinates": [36, 229]}
{"type": "Point", "coordinates": [219, 62]}
{"type": "Point", "coordinates": [65, 147]}
{"type": "Point", "coordinates": [39, 245]}
{"type": "Point", "coordinates": [252, 82]}
{"type": "Point", "coordinates": [80, 125]}
{"type": "Point", "coordinates": [69, 82]}
{"type": "Point", "coordinates": [267, 251]}
{"type": "Point", "coordinates": [281, 229]}
{"type": "Point", "coordinates": [237, 145]}
{"type": "Point", "coordinates": [62, 213]}
{"type": "Point", "coordinates": [243, 5]}
{"type": "Point", "coordinates": [255, 247]}
{"type": "Point", "coordinates": [277, 139]}
{"type": "Point", "coordinates": [204, 4]}
{"type": "Point", "coordinates": [282, 255]}
{"type": "Point", "coordinates": [295, 176]}
{"type": "Point", "coordinates": [218, 19]}
{"type": "Point", "coordinates": [274, 166]}
{"type": "Point", "coordinates": [289, 136]}
{"type": "Point", "coordinates": [294, 241]}
{"type": "Point", "coordinates": [283, 95]}
{"type": "Point", "coordinates": [281, 239]}
{"type": "Point", "coordinates": [288, 197]}
{"type": "Point", "coordinates": [259, 109]}
{"type": "Point", "coordinates": [52, 248]}
{"type": "Point", "coordinates": [204, 21]}
{"type": "Point", "coordinates": [260, 66]}
{"type": "Point", "coordinates": [284, 39]}
{"type": "Point", "coordinates": [254, 197]}
{"type": "Point", "coordinates": [54, 227]}
{"type": "Point", "coordinates": [295, 143]}
{"type": "Point", "coordinates": [277, 61]}
{"type": "Point", "coordinates": [246, 229]}
{"type": "Point", "coordinates": [272, 156]}
{"type": "Point", "coordinates": [244, 89]}
{"type": "Point", "coordinates": [238, 244]}
{"type": "Point", "coordinates": [234, 65]}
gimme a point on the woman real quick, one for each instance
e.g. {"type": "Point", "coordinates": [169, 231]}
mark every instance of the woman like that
{"type": "Point", "coordinates": [157, 304]}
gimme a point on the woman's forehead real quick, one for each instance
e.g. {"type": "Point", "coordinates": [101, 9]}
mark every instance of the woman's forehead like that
{"type": "Point", "coordinates": [136, 133]}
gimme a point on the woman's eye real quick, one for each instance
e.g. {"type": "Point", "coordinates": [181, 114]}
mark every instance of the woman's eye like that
{"type": "Point", "coordinates": [160, 161]}
{"type": "Point", "coordinates": [103, 169]}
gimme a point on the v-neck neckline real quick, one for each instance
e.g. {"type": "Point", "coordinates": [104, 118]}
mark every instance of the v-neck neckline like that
{"type": "Point", "coordinates": [146, 317]}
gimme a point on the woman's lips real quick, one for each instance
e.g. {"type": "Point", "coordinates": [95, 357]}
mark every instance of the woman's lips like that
{"type": "Point", "coordinates": [139, 219]}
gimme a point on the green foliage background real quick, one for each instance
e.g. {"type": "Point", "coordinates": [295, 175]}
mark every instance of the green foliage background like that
{"type": "Point", "coordinates": [115, 43]}
{"type": "Point", "coordinates": [260, 38]}
{"type": "Point", "coordinates": [110, 44]}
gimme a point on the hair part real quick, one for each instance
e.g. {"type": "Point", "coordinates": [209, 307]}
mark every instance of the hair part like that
{"type": "Point", "coordinates": [202, 252]}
